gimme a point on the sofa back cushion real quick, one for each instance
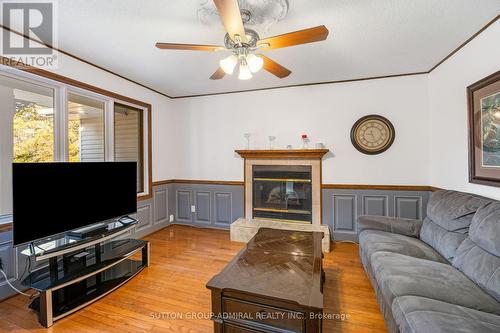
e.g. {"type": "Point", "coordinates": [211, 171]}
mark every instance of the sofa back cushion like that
{"type": "Point", "coordinates": [449, 214]}
{"type": "Point", "coordinates": [478, 256]}
{"type": "Point", "coordinates": [485, 228]}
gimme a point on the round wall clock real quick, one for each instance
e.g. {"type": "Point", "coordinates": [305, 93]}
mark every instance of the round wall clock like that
{"type": "Point", "coordinates": [372, 134]}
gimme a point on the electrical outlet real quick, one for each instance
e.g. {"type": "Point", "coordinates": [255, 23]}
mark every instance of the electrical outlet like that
{"type": "Point", "coordinates": [171, 218]}
{"type": "Point", "coordinates": [193, 209]}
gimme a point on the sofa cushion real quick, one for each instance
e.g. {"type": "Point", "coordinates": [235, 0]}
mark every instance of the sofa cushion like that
{"type": "Point", "coordinates": [443, 241]}
{"type": "Point", "coordinates": [480, 266]}
{"type": "Point", "coordinates": [372, 241]}
{"type": "Point", "coordinates": [485, 228]}
{"type": "Point", "coordinates": [449, 214]}
{"type": "Point", "coordinates": [453, 210]}
{"type": "Point", "coordinates": [400, 275]}
{"type": "Point", "coordinates": [395, 225]}
{"type": "Point", "coordinates": [478, 256]}
{"type": "Point", "coordinates": [415, 314]}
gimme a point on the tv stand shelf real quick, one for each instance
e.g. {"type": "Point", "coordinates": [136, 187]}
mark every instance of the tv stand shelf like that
{"type": "Point", "coordinates": [82, 277]}
{"type": "Point", "coordinates": [67, 242]}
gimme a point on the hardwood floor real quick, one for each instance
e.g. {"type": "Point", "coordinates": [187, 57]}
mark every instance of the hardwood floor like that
{"type": "Point", "coordinates": [170, 295]}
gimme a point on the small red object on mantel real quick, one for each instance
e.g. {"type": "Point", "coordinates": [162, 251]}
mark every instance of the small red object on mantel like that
{"type": "Point", "coordinates": [304, 136]}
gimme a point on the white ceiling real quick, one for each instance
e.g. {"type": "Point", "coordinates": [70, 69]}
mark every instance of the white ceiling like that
{"type": "Point", "coordinates": [367, 38]}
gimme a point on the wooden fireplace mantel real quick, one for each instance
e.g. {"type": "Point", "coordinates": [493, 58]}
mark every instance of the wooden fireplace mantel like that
{"type": "Point", "coordinates": [284, 153]}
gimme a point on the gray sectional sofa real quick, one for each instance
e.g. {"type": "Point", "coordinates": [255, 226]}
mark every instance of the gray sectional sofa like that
{"type": "Point", "coordinates": [437, 275]}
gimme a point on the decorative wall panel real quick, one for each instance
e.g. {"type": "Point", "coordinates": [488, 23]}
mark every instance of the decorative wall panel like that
{"type": "Point", "coordinates": [160, 205]}
{"type": "Point", "coordinates": [344, 212]}
{"type": "Point", "coordinates": [408, 207]}
{"type": "Point", "coordinates": [203, 207]}
{"type": "Point", "coordinates": [341, 207]}
{"type": "Point", "coordinates": [144, 217]}
{"type": "Point", "coordinates": [375, 205]}
{"type": "Point", "coordinates": [183, 206]}
{"type": "Point", "coordinates": [216, 206]}
{"type": "Point", "coordinates": [223, 209]}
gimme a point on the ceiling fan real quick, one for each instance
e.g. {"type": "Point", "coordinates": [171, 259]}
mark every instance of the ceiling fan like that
{"type": "Point", "coordinates": [243, 43]}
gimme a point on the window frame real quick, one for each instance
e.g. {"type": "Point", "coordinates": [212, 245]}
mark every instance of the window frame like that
{"type": "Point", "coordinates": [146, 153]}
{"type": "Point", "coordinates": [107, 127]}
{"type": "Point", "coordinates": [62, 86]}
{"type": "Point", "coordinates": [57, 121]}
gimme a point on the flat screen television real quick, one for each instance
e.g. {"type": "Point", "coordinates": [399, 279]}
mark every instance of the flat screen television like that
{"type": "Point", "coordinates": [51, 198]}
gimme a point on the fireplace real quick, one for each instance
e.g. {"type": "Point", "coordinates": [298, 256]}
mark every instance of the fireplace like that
{"type": "Point", "coordinates": [283, 186]}
{"type": "Point", "coordinates": [282, 193]}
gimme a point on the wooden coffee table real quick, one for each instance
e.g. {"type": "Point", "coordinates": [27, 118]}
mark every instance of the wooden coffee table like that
{"type": "Point", "coordinates": [275, 284]}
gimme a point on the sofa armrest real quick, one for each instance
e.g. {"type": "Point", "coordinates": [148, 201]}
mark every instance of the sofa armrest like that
{"type": "Point", "coordinates": [407, 227]}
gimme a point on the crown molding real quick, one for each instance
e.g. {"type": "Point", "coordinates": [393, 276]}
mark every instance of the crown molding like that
{"type": "Point", "coordinates": [465, 43]}
{"type": "Point", "coordinates": [302, 85]}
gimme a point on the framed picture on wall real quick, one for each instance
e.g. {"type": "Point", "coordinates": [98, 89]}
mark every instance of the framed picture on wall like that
{"type": "Point", "coordinates": [484, 131]}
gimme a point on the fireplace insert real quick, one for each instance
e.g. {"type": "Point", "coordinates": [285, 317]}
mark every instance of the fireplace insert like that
{"type": "Point", "coordinates": [282, 193]}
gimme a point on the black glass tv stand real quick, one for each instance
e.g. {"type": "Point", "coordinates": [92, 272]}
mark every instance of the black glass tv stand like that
{"type": "Point", "coordinates": [80, 274]}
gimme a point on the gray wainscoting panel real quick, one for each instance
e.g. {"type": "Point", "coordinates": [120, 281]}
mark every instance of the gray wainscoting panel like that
{"type": "Point", "coordinates": [223, 208]}
{"type": "Point", "coordinates": [183, 205]}
{"type": "Point", "coordinates": [10, 265]}
{"type": "Point", "coordinates": [203, 207]}
{"type": "Point", "coordinates": [154, 213]}
{"type": "Point", "coordinates": [344, 211]}
{"type": "Point", "coordinates": [216, 206]}
{"type": "Point", "coordinates": [375, 205]}
{"type": "Point", "coordinates": [7, 261]}
{"type": "Point", "coordinates": [160, 205]}
{"type": "Point", "coordinates": [144, 216]}
{"type": "Point", "coordinates": [409, 207]}
{"type": "Point", "coordinates": [341, 207]}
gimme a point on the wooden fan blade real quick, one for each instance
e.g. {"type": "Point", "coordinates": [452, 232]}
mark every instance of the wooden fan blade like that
{"type": "Point", "coordinates": [305, 36]}
{"type": "Point", "coordinates": [274, 68]}
{"type": "Point", "coordinates": [219, 74]}
{"type": "Point", "coordinates": [229, 12]}
{"type": "Point", "coordinates": [189, 47]}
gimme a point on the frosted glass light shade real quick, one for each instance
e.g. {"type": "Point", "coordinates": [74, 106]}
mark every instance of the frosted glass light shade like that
{"type": "Point", "coordinates": [245, 73]}
{"type": "Point", "coordinates": [228, 64]}
{"type": "Point", "coordinates": [255, 63]}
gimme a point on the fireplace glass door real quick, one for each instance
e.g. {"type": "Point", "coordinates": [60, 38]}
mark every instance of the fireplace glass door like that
{"type": "Point", "coordinates": [282, 193]}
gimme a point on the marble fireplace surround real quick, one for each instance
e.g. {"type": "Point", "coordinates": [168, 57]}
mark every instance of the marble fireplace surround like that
{"type": "Point", "coordinates": [244, 229]}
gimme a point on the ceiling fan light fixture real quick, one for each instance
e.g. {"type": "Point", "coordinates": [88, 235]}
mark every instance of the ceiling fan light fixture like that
{"type": "Point", "coordinates": [228, 64]}
{"type": "Point", "coordinates": [245, 72]}
{"type": "Point", "coordinates": [254, 62]}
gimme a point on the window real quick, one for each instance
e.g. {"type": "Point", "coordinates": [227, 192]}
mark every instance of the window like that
{"type": "Point", "coordinates": [26, 130]}
{"type": "Point", "coordinates": [85, 129]}
{"type": "Point", "coordinates": [42, 120]}
{"type": "Point", "coordinates": [128, 131]}
{"type": "Point", "coordinates": [32, 110]}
